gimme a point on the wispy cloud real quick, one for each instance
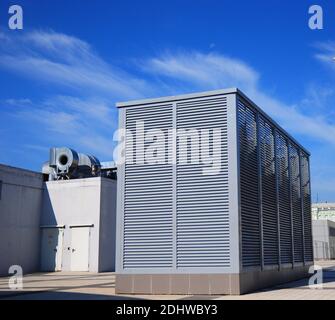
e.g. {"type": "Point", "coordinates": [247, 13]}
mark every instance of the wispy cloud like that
{"type": "Point", "coordinates": [326, 52]}
{"type": "Point", "coordinates": [317, 96]}
{"type": "Point", "coordinates": [213, 71]}
{"type": "Point", "coordinates": [86, 117]}
{"type": "Point", "coordinates": [67, 61]}
{"type": "Point", "coordinates": [310, 119]}
{"type": "Point", "coordinates": [81, 123]}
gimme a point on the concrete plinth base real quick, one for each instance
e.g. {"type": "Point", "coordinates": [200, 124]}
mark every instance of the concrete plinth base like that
{"type": "Point", "coordinates": [213, 284]}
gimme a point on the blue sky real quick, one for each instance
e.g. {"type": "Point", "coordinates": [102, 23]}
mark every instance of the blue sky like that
{"type": "Point", "coordinates": [62, 74]}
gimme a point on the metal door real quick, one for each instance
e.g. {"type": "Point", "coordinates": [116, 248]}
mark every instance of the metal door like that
{"type": "Point", "coordinates": [80, 248]}
{"type": "Point", "coordinates": [52, 248]}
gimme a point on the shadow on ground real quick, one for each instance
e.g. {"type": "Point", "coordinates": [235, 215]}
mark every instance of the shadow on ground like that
{"type": "Point", "coordinates": [59, 295]}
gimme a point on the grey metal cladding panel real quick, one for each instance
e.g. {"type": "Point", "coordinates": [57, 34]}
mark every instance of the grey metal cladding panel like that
{"type": "Point", "coordinates": [284, 200]}
{"type": "Point", "coordinates": [269, 201]}
{"type": "Point", "coordinates": [148, 205]}
{"type": "Point", "coordinates": [306, 189]}
{"type": "Point", "coordinates": [202, 209]}
{"type": "Point", "coordinates": [296, 204]}
{"type": "Point", "coordinates": [249, 187]}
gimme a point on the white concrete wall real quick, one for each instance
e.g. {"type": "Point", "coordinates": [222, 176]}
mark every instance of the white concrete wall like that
{"type": "Point", "coordinates": [323, 243]}
{"type": "Point", "coordinates": [320, 230]}
{"type": "Point", "coordinates": [80, 202]}
{"type": "Point", "coordinates": [20, 211]}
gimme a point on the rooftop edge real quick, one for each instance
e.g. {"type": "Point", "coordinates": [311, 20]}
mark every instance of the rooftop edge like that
{"type": "Point", "coordinates": [177, 97]}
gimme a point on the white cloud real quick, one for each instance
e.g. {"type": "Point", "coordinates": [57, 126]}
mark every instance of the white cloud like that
{"type": "Point", "coordinates": [94, 109]}
{"type": "Point", "coordinates": [65, 60]}
{"type": "Point", "coordinates": [211, 70]}
{"type": "Point", "coordinates": [296, 122]}
{"type": "Point", "coordinates": [214, 71]}
{"type": "Point", "coordinates": [86, 119]}
{"type": "Point", "coordinates": [309, 118]}
{"type": "Point", "coordinates": [84, 124]}
{"type": "Point", "coordinates": [316, 98]}
{"type": "Point", "coordinates": [327, 53]}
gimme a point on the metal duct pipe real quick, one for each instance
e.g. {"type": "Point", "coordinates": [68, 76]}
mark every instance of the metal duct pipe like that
{"type": "Point", "coordinates": [66, 163]}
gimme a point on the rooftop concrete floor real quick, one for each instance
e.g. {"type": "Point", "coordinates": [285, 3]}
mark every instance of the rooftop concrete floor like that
{"type": "Point", "coordinates": [87, 286]}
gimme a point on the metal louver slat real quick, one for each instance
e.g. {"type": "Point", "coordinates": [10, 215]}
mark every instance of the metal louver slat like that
{"type": "Point", "coordinates": [269, 201]}
{"type": "Point", "coordinates": [202, 208]}
{"type": "Point", "coordinates": [284, 200]}
{"type": "Point", "coordinates": [274, 194]}
{"type": "Point", "coordinates": [249, 188]}
{"type": "Point", "coordinates": [148, 225]}
{"type": "Point", "coordinates": [307, 214]}
{"type": "Point", "coordinates": [296, 204]}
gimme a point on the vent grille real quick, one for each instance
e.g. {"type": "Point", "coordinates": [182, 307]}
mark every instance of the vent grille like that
{"type": "Point", "coordinates": [296, 204]}
{"type": "Point", "coordinates": [202, 200]}
{"type": "Point", "coordinates": [269, 201]}
{"type": "Point", "coordinates": [306, 194]}
{"type": "Point", "coordinates": [249, 189]}
{"type": "Point", "coordinates": [284, 200]}
{"type": "Point", "coordinates": [148, 234]}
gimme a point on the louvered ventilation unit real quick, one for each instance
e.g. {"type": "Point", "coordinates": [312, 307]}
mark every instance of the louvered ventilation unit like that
{"type": "Point", "coordinates": [148, 234]}
{"type": "Point", "coordinates": [202, 206]}
{"type": "Point", "coordinates": [212, 194]}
